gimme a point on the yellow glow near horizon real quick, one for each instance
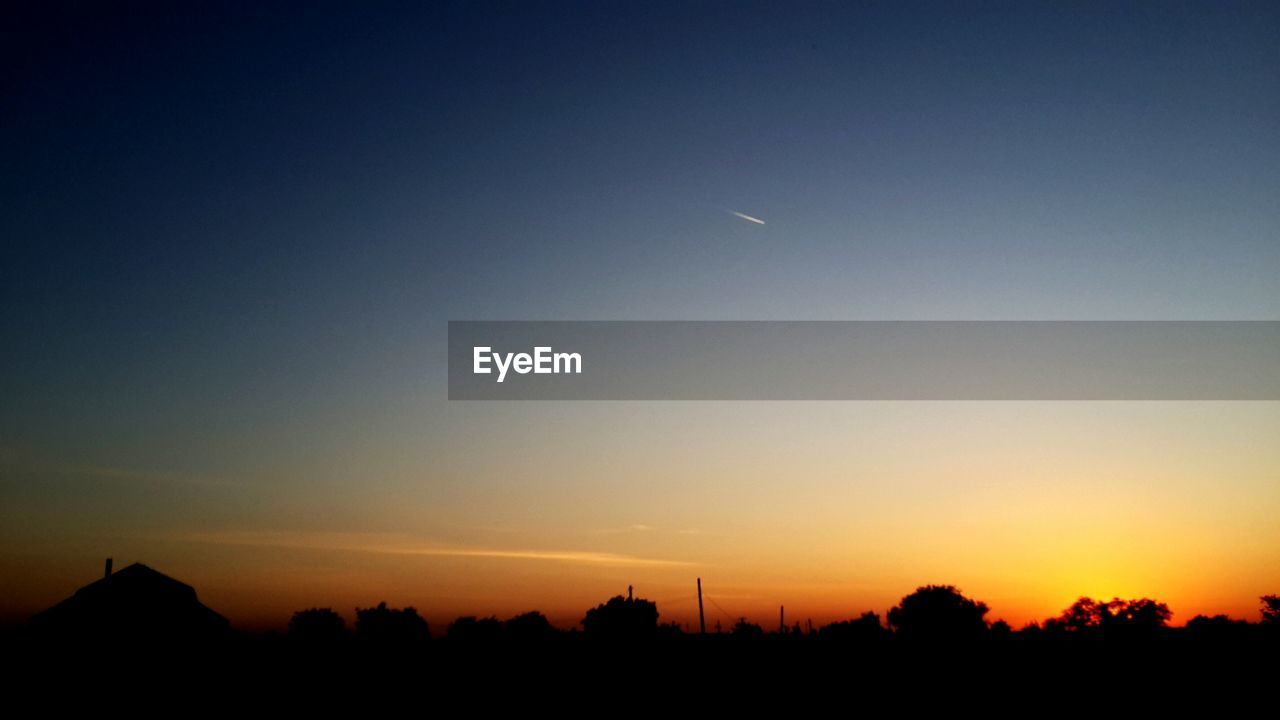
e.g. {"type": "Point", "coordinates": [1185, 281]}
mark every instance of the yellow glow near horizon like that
{"type": "Point", "coordinates": [831, 510]}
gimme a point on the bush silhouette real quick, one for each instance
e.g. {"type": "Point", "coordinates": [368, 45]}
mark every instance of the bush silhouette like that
{"type": "Point", "coordinates": [744, 630]}
{"type": "Point", "coordinates": [622, 619]}
{"type": "Point", "coordinates": [866, 629]}
{"type": "Point", "coordinates": [939, 613]}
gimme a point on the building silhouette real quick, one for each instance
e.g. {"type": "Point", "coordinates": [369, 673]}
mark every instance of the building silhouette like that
{"type": "Point", "coordinates": [136, 604]}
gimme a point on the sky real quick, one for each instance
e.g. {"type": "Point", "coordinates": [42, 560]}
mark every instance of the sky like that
{"type": "Point", "coordinates": [233, 235]}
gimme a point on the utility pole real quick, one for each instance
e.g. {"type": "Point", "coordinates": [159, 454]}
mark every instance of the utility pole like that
{"type": "Point", "coordinates": [628, 593]}
{"type": "Point", "coordinates": [782, 619]}
{"type": "Point", "coordinates": [702, 619]}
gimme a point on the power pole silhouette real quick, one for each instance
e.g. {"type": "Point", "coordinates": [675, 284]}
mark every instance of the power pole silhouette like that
{"type": "Point", "coordinates": [628, 593]}
{"type": "Point", "coordinates": [702, 619]}
{"type": "Point", "coordinates": [782, 619]}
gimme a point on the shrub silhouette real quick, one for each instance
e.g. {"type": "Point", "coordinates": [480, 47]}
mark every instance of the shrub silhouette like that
{"type": "Point", "coordinates": [670, 631]}
{"type": "Point", "coordinates": [622, 619]}
{"type": "Point", "coordinates": [866, 629]}
{"type": "Point", "coordinates": [937, 614]}
{"type": "Point", "coordinates": [744, 630]}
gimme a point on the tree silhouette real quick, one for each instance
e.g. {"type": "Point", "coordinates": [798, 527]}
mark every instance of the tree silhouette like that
{"type": "Point", "coordinates": [1088, 613]}
{"type": "Point", "coordinates": [1083, 615]}
{"type": "Point", "coordinates": [622, 619]}
{"type": "Point", "coordinates": [529, 628]}
{"type": "Point", "coordinates": [1218, 629]}
{"type": "Point", "coordinates": [939, 613]}
{"type": "Point", "coordinates": [1142, 614]}
{"type": "Point", "coordinates": [317, 626]}
{"type": "Point", "coordinates": [472, 630]}
{"type": "Point", "coordinates": [390, 628]}
{"type": "Point", "coordinates": [1114, 619]}
{"type": "Point", "coordinates": [1270, 609]}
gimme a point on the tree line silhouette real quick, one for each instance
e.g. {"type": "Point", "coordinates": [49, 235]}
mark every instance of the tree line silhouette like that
{"type": "Point", "coordinates": [140, 621]}
{"type": "Point", "coordinates": [139, 605]}
{"type": "Point", "coordinates": [931, 616]}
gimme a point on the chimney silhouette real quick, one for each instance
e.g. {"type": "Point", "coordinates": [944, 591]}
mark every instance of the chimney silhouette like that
{"type": "Point", "coordinates": [107, 571]}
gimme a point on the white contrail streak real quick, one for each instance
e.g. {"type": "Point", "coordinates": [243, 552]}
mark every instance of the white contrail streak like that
{"type": "Point", "coordinates": [746, 217]}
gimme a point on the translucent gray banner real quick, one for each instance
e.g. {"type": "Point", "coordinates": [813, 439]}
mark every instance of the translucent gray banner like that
{"type": "Point", "coordinates": [889, 360]}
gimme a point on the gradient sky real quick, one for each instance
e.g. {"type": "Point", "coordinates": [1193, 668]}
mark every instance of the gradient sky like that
{"type": "Point", "coordinates": [232, 236]}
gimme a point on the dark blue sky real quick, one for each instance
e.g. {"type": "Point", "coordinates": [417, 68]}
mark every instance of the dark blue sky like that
{"type": "Point", "coordinates": [233, 232]}
{"type": "Point", "coordinates": [252, 188]}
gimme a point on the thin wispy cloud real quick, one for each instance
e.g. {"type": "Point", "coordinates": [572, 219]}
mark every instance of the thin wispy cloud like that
{"type": "Point", "coordinates": [572, 556]}
{"type": "Point", "coordinates": [392, 545]}
{"type": "Point", "coordinates": [645, 528]}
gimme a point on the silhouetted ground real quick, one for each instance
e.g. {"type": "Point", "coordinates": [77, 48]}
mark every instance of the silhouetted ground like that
{"type": "Point", "coordinates": [140, 629]}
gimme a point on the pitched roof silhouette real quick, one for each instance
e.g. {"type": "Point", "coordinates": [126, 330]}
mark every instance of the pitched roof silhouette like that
{"type": "Point", "coordinates": [136, 602]}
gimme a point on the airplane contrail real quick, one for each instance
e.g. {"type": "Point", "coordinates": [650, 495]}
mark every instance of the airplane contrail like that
{"type": "Point", "coordinates": [746, 217]}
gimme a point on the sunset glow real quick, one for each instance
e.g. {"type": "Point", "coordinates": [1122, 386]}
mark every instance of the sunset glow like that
{"type": "Point", "coordinates": [235, 240]}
